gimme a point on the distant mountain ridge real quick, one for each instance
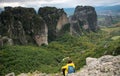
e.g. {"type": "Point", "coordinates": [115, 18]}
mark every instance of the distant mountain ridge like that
{"type": "Point", "coordinates": [1, 9]}
{"type": "Point", "coordinates": [101, 10]}
{"type": "Point", "coordinates": [111, 10]}
{"type": "Point", "coordinates": [114, 8]}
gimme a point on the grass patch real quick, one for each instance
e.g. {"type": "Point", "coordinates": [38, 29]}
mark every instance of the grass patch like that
{"type": "Point", "coordinates": [115, 37]}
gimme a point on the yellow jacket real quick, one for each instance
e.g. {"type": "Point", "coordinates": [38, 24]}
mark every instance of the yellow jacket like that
{"type": "Point", "coordinates": [66, 67]}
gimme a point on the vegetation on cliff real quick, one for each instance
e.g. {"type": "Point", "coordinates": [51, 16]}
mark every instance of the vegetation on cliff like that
{"type": "Point", "coordinates": [48, 58]}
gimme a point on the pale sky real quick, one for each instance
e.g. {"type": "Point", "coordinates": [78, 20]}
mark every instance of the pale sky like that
{"type": "Point", "coordinates": [57, 3]}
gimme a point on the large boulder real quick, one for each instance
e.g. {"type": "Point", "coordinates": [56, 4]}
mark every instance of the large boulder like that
{"type": "Point", "coordinates": [84, 18]}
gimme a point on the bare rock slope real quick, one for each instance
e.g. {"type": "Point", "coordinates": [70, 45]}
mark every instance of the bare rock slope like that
{"type": "Point", "coordinates": [103, 66]}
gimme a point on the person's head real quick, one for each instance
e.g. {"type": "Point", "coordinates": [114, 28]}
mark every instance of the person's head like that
{"type": "Point", "coordinates": [69, 61]}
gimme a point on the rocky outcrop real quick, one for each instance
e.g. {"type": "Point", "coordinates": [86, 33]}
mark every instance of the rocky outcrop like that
{"type": "Point", "coordinates": [1, 41]}
{"type": "Point", "coordinates": [61, 22]}
{"type": "Point", "coordinates": [84, 18]}
{"type": "Point", "coordinates": [55, 20]}
{"type": "Point", "coordinates": [103, 66]}
{"type": "Point", "coordinates": [105, 20]}
{"type": "Point", "coordinates": [5, 40]}
{"type": "Point", "coordinates": [108, 20]}
{"type": "Point", "coordinates": [23, 26]}
{"type": "Point", "coordinates": [10, 74]}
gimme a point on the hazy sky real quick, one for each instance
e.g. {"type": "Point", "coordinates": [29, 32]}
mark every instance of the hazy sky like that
{"type": "Point", "coordinates": [57, 3]}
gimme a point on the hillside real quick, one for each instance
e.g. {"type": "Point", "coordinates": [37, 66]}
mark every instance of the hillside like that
{"type": "Point", "coordinates": [48, 58]}
{"type": "Point", "coordinates": [106, 65]}
{"type": "Point", "coordinates": [31, 41]}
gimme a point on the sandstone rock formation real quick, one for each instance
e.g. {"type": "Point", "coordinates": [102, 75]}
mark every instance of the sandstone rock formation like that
{"type": "Point", "coordinates": [55, 20]}
{"type": "Point", "coordinates": [23, 26]}
{"type": "Point", "coordinates": [61, 22]}
{"type": "Point", "coordinates": [84, 18]}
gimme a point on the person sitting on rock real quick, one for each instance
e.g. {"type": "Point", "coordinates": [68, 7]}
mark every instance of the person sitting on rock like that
{"type": "Point", "coordinates": [68, 68]}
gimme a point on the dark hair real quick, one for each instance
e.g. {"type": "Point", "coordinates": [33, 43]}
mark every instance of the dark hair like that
{"type": "Point", "coordinates": [69, 61]}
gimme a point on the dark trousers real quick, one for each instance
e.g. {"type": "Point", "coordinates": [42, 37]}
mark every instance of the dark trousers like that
{"type": "Point", "coordinates": [63, 70]}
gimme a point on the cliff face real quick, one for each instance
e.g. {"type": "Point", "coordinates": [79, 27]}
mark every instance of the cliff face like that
{"type": "Point", "coordinates": [61, 22]}
{"type": "Point", "coordinates": [84, 18]}
{"type": "Point", "coordinates": [55, 20]}
{"type": "Point", "coordinates": [22, 25]}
